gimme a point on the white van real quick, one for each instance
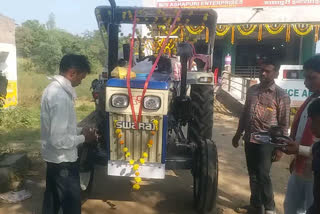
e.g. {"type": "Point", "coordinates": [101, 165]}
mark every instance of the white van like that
{"type": "Point", "coordinates": [291, 79]}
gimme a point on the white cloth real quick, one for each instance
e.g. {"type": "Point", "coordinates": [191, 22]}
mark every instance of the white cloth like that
{"type": "Point", "coordinates": [304, 150]}
{"type": "Point", "coordinates": [59, 133]}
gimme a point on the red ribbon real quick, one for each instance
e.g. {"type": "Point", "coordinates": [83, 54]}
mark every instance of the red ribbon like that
{"type": "Point", "coordinates": [152, 69]}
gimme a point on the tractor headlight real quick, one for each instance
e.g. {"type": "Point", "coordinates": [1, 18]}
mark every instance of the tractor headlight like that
{"type": "Point", "coordinates": [151, 102]}
{"type": "Point", "coordinates": [119, 100]}
{"type": "Point", "coordinates": [205, 79]}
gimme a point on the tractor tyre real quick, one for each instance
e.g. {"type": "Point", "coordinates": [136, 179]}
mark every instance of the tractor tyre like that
{"type": "Point", "coordinates": [200, 127]}
{"type": "Point", "coordinates": [86, 171]}
{"type": "Point", "coordinates": [205, 177]}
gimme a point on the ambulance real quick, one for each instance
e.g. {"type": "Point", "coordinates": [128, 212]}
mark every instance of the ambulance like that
{"type": "Point", "coordinates": [291, 79]}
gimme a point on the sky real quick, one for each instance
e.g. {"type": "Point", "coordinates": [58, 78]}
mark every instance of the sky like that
{"type": "Point", "coordinates": [74, 16]}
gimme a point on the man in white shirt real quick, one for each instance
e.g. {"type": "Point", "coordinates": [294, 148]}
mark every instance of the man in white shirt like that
{"type": "Point", "coordinates": [60, 137]}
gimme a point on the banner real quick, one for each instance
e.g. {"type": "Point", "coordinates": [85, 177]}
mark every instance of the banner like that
{"type": "Point", "coordinates": [234, 3]}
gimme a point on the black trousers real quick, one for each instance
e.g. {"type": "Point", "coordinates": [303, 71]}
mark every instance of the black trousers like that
{"type": "Point", "coordinates": [315, 208]}
{"type": "Point", "coordinates": [62, 189]}
{"type": "Point", "coordinates": [259, 161]}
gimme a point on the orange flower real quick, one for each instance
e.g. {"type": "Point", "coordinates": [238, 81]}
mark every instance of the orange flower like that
{"type": "Point", "coordinates": [121, 142]}
{"type": "Point", "coordinates": [150, 142]}
{"type": "Point", "coordinates": [137, 173]}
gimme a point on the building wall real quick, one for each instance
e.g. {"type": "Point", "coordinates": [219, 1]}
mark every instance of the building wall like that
{"type": "Point", "coordinates": [269, 15]}
{"type": "Point", "coordinates": [7, 29]}
{"type": "Point", "coordinates": [7, 45]}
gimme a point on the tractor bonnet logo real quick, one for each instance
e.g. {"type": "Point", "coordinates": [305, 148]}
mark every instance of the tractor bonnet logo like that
{"type": "Point", "coordinates": [130, 125]}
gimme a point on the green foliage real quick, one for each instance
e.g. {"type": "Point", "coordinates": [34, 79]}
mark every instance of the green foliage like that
{"type": "Point", "coordinates": [48, 54]}
{"type": "Point", "coordinates": [30, 87]}
{"type": "Point", "coordinates": [16, 118]}
{"type": "Point", "coordinates": [27, 65]}
{"type": "Point", "coordinates": [44, 45]}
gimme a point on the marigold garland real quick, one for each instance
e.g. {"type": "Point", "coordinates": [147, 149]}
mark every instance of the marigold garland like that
{"type": "Point", "coordinates": [246, 30]}
{"type": "Point", "coordinates": [164, 29]}
{"type": "Point", "coordinates": [207, 35]}
{"type": "Point", "coordinates": [316, 33]}
{"type": "Point", "coordinates": [232, 35]}
{"type": "Point", "coordinates": [195, 30]}
{"type": "Point", "coordinates": [302, 29]}
{"type": "Point", "coordinates": [222, 30]}
{"type": "Point", "coordinates": [136, 164]}
{"type": "Point", "coordinates": [260, 33]}
{"type": "Point", "coordinates": [288, 33]}
{"type": "Point", "coordinates": [274, 28]}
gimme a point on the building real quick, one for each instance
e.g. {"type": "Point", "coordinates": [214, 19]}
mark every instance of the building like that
{"type": "Point", "coordinates": [8, 60]}
{"type": "Point", "coordinates": [283, 30]}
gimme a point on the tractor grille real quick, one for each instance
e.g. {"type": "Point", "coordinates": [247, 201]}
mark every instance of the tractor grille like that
{"type": "Point", "coordinates": [135, 140]}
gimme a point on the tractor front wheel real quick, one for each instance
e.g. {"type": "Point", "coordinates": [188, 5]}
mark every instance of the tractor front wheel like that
{"type": "Point", "coordinates": [205, 177]}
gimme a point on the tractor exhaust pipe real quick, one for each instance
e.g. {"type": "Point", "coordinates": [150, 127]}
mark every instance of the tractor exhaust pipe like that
{"type": "Point", "coordinates": [112, 3]}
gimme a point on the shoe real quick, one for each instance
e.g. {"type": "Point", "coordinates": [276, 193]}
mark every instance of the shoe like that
{"type": "Point", "coordinates": [249, 210]}
{"type": "Point", "coordinates": [270, 212]}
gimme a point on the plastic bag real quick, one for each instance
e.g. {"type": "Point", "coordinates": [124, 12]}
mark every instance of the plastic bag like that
{"type": "Point", "coordinates": [143, 66]}
{"type": "Point", "coordinates": [121, 73]}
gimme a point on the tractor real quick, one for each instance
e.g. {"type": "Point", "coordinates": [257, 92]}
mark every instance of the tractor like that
{"type": "Point", "coordinates": [157, 120]}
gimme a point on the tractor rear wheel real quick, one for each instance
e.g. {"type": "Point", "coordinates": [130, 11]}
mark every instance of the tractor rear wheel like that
{"type": "Point", "coordinates": [205, 177]}
{"type": "Point", "coordinates": [202, 113]}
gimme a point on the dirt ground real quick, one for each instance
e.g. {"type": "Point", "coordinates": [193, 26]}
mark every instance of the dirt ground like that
{"type": "Point", "coordinates": [170, 196]}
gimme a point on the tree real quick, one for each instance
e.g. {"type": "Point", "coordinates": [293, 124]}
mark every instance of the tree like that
{"type": "Point", "coordinates": [44, 45]}
{"type": "Point", "coordinates": [51, 23]}
{"type": "Point", "coordinates": [48, 54]}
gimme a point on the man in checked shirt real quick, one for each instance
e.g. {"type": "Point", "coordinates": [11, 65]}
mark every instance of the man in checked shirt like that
{"type": "Point", "coordinates": [266, 105]}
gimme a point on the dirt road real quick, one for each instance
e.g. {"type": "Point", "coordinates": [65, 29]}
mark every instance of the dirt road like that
{"type": "Point", "coordinates": [170, 196]}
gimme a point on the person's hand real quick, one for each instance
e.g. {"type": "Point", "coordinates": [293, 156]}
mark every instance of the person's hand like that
{"type": "Point", "coordinates": [291, 148]}
{"type": "Point", "coordinates": [235, 140]}
{"type": "Point", "coordinates": [277, 155]}
{"type": "Point", "coordinates": [90, 135]}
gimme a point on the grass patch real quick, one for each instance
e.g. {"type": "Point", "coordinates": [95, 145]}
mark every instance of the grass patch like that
{"type": "Point", "coordinates": [20, 126]}
{"type": "Point", "coordinates": [83, 109]}
{"type": "Point", "coordinates": [31, 86]}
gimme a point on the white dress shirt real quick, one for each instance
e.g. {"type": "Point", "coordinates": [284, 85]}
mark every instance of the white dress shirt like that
{"type": "Point", "coordinates": [59, 133]}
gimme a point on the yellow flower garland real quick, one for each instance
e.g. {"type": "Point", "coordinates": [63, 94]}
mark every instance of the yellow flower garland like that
{"type": "Point", "coordinates": [245, 31]}
{"type": "Point", "coordinates": [222, 30]}
{"type": "Point", "coordinates": [302, 29]}
{"type": "Point", "coordinates": [272, 29]}
{"type": "Point", "coordinates": [164, 29]}
{"type": "Point", "coordinates": [144, 156]}
{"type": "Point", "coordinates": [195, 30]}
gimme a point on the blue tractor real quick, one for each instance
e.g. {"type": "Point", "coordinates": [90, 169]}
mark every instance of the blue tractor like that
{"type": "Point", "coordinates": [174, 116]}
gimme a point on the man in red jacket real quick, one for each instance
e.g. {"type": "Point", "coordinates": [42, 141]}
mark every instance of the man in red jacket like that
{"type": "Point", "coordinates": [299, 196]}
